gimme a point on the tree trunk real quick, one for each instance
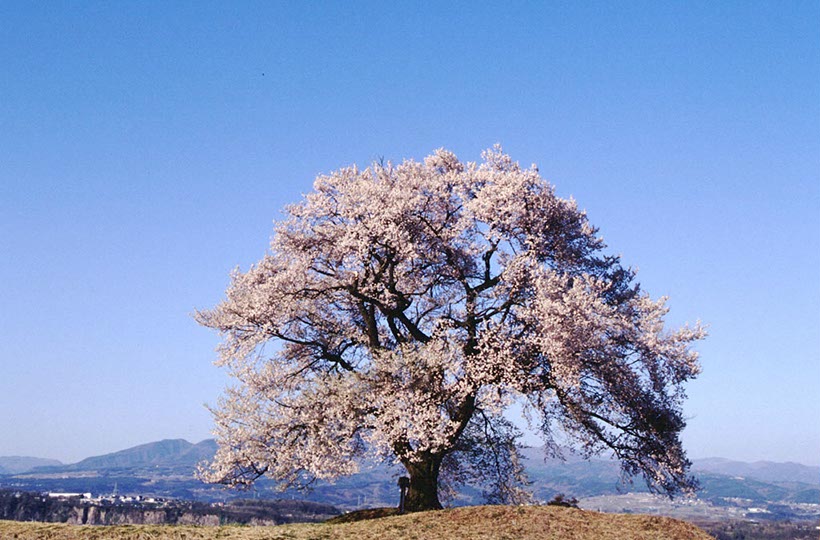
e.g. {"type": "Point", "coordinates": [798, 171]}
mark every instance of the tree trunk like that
{"type": "Point", "coordinates": [423, 491]}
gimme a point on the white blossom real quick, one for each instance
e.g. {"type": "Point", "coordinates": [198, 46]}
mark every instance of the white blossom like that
{"type": "Point", "coordinates": [402, 308]}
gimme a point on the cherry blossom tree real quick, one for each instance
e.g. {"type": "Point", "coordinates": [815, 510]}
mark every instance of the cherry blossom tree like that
{"type": "Point", "coordinates": [402, 308]}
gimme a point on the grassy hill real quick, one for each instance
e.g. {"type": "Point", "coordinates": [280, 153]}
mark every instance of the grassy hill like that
{"type": "Point", "coordinates": [476, 522]}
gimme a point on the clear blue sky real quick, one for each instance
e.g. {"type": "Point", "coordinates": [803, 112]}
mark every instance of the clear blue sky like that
{"type": "Point", "coordinates": [146, 147]}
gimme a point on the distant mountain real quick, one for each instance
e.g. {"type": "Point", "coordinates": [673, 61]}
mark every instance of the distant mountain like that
{"type": "Point", "coordinates": [23, 464]}
{"type": "Point", "coordinates": [202, 451]}
{"type": "Point", "coordinates": [144, 455]}
{"type": "Point", "coordinates": [166, 469]}
{"type": "Point", "coordinates": [171, 456]}
{"type": "Point", "coordinates": [181, 457]}
{"type": "Point", "coordinates": [767, 471]}
{"type": "Point", "coordinates": [573, 475]}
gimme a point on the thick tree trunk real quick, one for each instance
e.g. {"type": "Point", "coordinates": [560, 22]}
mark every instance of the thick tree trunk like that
{"type": "Point", "coordinates": [423, 491]}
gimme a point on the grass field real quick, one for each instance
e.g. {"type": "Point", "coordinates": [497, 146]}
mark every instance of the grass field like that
{"type": "Point", "coordinates": [478, 522]}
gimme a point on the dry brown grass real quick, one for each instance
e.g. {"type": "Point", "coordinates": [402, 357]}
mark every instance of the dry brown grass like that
{"type": "Point", "coordinates": [478, 522]}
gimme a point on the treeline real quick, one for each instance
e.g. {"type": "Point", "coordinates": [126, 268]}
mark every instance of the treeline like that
{"type": "Point", "coordinates": [27, 506]}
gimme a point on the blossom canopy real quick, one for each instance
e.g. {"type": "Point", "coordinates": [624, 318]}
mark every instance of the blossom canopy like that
{"type": "Point", "coordinates": [401, 308]}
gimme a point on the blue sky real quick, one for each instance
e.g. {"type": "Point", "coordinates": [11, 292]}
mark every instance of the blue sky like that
{"type": "Point", "coordinates": [146, 147]}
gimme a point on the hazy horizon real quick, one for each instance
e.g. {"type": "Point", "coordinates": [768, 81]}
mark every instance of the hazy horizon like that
{"type": "Point", "coordinates": [146, 149]}
{"type": "Point", "coordinates": [531, 444]}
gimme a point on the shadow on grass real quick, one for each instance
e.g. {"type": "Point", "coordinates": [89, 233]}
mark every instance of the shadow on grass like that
{"type": "Point", "coordinates": [361, 515]}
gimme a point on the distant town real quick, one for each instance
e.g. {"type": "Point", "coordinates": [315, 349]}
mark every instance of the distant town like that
{"type": "Point", "coordinates": [110, 499]}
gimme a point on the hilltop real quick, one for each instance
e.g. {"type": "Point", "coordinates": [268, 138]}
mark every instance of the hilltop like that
{"type": "Point", "coordinates": [476, 522]}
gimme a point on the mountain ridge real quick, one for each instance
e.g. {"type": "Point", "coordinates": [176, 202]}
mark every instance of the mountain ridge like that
{"type": "Point", "coordinates": [765, 470]}
{"type": "Point", "coordinates": [21, 464]}
{"type": "Point", "coordinates": [163, 454]}
{"type": "Point", "coordinates": [166, 469]}
{"type": "Point", "coordinates": [182, 456]}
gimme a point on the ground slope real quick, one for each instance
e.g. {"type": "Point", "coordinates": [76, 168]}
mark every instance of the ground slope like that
{"type": "Point", "coordinates": [477, 522]}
